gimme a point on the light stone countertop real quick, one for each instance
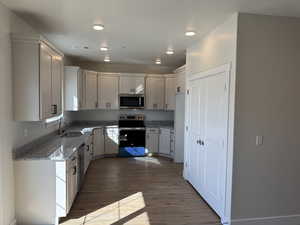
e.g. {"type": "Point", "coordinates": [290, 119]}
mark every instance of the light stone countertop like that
{"type": "Point", "coordinates": [57, 148]}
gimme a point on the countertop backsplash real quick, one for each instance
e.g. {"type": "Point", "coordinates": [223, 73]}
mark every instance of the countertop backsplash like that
{"type": "Point", "coordinates": [113, 115]}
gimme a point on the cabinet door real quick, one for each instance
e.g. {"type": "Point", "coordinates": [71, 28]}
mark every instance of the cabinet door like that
{"type": "Point", "coordinates": [108, 92]}
{"type": "Point", "coordinates": [152, 141]}
{"type": "Point", "coordinates": [155, 93]}
{"type": "Point", "coordinates": [57, 67]}
{"type": "Point", "coordinates": [170, 93]}
{"type": "Point", "coordinates": [98, 142]}
{"type": "Point", "coordinates": [111, 141]}
{"type": "Point", "coordinates": [164, 142]}
{"type": "Point", "coordinates": [132, 85]}
{"type": "Point", "coordinates": [214, 136]}
{"type": "Point", "coordinates": [90, 90]}
{"type": "Point", "coordinates": [45, 83]}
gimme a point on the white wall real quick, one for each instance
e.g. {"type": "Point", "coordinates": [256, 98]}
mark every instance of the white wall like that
{"type": "Point", "coordinates": [113, 115]}
{"type": "Point", "coordinates": [11, 133]}
{"type": "Point", "coordinates": [215, 49]}
{"type": "Point", "coordinates": [266, 178]}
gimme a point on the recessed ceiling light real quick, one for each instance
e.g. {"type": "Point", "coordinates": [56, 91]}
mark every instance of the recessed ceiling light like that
{"type": "Point", "coordinates": [190, 33]}
{"type": "Point", "coordinates": [106, 59]}
{"type": "Point", "coordinates": [98, 27]}
{"type": "Point", "coordinates": [104, 49]}
{"type": "Point", "coordinates": [170, 52]}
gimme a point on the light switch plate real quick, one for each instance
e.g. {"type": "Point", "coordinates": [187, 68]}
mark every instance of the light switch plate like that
{"type": "Point", "coordinates": [259, 140]}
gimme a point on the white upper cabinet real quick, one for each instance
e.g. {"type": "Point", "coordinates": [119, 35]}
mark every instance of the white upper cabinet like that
{"type": "Point", "coordinates": [37, 71]}
{"type": "Point", "coordinates": [155, 92]}
{"type": "Point", "coordinates": [108, 91]}
{"type": "Point", "coordinates": [73, 88]}
{"type": "Point", "coordinates": [90, 90]}
{"type": "Point", "coordinates": [170, 99]}
{"type": "Point", "coordinates": [45, 82]}
{"type": "Point", "coordinates": [132, 84]}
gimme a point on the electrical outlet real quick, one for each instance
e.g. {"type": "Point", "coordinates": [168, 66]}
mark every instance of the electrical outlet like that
{"type": "Point", "coordinates": [259, 140]}
{"type": "Point", "coordinates": [25, 132]}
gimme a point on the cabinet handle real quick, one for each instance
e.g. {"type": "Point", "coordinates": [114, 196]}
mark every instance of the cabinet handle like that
{"type": "Point", "coordinates": [75, 170]}
{"type": "Point", "coordinates": [96, 104]}
{"type": "Point", "coordinates": [87, 148]}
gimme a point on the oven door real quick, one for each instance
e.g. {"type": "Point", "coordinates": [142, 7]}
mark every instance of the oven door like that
{"type": "Point", "coordinates": [132, 137]}
{"type": "Point", "coordinates": [131, 101]}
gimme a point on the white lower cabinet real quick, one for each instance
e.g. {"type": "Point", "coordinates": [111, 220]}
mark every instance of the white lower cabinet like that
{"type": "Point", "coordinates": [165, 141]}
{"type": "Point", "coordinates": [98, 142]}
{"type": "Point", "coordinates": [152, 140]}
{"type": "Point", "coordinates": [111, 140]}
{"type": "Point", "coordinates": [72, 180]}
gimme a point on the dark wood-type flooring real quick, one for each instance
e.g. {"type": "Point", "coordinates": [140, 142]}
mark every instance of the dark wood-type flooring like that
{"type": "Point", "coordinates": [138, 191]}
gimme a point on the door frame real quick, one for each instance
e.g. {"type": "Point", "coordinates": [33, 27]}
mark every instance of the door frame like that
{"type": "Point", "coordinates": [226, 68]}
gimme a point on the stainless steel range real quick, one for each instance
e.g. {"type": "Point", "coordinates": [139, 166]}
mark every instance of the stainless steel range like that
{"type": "Point", "coordinates": [132, 135]}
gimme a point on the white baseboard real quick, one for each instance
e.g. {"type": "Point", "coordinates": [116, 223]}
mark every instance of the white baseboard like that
{"type": "Point", "coordinates": [280, 220]}
{"type": "Point", "coordinates": [14, 222]}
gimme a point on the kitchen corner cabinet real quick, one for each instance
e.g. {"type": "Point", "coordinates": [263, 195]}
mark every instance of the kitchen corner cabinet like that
{"type": "Point", "coordinates": [152, 140]}
{"type": "Point", "coordinates": [90, 89]}
{"type": "Point", "coordinates": [132, 84]}
{"type": "Point", "coordinates": [155, 92]}
{"type": "Point", "coordinates": [108, 91]}
{"type": "Point", "coordinates": [170, 96]}
{"type": "Point", "coordinates": [73, 88]}
{"type": "Point", "coordinates": [37, 79]}
{"type": "Point", "coordinates": [98, 142]}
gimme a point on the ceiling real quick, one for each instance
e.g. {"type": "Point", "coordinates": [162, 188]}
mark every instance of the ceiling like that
{"type": "Point", "coordinates": [136, 31]}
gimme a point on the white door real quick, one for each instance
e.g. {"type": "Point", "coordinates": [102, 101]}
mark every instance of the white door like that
{"type": "Point", "coordinates": [98, 141]}
{"type": "Point", "coordinates": [194, 133]}
{"type": "Point", "coordinates": [132, 85]}
{"type": "Point", "coordinates": [152, 140]}
{"type": "Point", "coordinates": [155, 92]}
{"type": "Point", "coordinates": [165, 141]}
{"type": "Point", "coordinates": [90, 90]}
{"type": "Point", "coordinates": [170, 93]}
{"type": "Point", "coordinates": [108, 92]}
{"type": "Point", "coordinates": [57, 67]}
{"type": "Point", "coordinates": [207, 138]}
{"type": "Point", "coordinates": [45, 83]}
{"type": "Point", "coordinates": [215, 140]}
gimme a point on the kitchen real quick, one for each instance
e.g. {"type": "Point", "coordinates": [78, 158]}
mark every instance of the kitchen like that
{"type": "Point", "coordinates": [149, 112]}
{"type": "Point", "coordinates": [141, 108]}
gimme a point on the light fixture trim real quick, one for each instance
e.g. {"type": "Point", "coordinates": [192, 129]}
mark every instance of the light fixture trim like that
{"type": "Point", "coordinates": [98, 27]}
{"type": "Point", "coordinates": [190, 33]}
{"type": "Point", "coordinates": [104, 49]}
{"type": "Point", "coordinates": [170, 52]}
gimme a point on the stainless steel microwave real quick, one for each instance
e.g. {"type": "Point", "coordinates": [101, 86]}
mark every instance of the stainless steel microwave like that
{"type": "Point", "coordinates": [132, 101]}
